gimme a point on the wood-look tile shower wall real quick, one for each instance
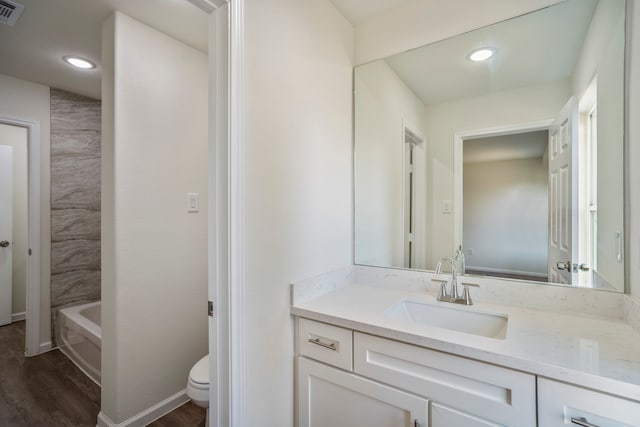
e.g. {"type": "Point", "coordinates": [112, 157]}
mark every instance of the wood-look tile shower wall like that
{"type": "Point", "coordinates": [75, 200]}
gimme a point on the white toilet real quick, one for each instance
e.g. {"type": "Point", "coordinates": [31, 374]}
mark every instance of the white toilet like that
{"type": "Point", "coordinates": [198, 384]}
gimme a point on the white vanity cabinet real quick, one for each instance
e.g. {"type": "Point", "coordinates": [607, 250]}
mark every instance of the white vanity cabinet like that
{"type": "Point", "coordinates": [393, 384]}
{"type": "Point", "coordinates": [464, 392]}
{"type": "Point", "coordinates": [561, 404]}
{"type": "Point", "coordinates": [329, 397]}
{"type": "Point", "coordinates": [358, 379]}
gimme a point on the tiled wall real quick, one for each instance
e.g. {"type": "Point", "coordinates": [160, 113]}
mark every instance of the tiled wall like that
{"type": "Point", "coordinates": [75, 200]}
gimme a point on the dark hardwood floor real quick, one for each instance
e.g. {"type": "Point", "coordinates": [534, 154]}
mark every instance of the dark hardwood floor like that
{"type": "Point", "coordinates": [50, 391]}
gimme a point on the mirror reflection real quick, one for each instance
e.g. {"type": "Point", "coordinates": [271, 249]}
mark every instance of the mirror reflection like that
{"type": "Point", "coordinates": [512, 164]}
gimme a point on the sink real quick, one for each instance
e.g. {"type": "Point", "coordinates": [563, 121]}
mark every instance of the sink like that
{"type": "Point", "coordinates": [490, 325]}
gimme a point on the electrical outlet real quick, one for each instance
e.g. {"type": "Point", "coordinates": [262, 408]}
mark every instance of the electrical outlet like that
{"type": "Point", "coordinates": [470, 250]}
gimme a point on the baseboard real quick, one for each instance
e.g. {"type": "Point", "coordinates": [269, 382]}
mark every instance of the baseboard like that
{"type": "Point", "coordinates": [148, 415]}
{"type": "Point", "coordinates": [505, 271]}
{"type": "Point", "coordinates": [44, 347]}
{"type": "Point", "coordinates": [16, 317]}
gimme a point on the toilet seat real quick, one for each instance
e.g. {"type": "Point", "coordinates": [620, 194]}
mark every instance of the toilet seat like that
{"type": "Point", "coordinates": [198, 383]}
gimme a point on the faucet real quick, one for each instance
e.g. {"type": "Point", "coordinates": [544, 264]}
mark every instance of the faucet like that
{"type": "Point", "coordinates": [453, 295]}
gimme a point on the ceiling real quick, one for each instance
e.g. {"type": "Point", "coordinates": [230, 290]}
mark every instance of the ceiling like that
{"type": "Point", "coordinates": [539, 47]}
{"type": "Point", "coordinates": [526, 145]}
{"type": "Point", "coordinates": [358, 11]}
{"type": "Point", "coordinates": [32, 49]}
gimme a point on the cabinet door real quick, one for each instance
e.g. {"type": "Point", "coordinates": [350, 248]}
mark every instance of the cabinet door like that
{"type": "Point", "coordinates": [562, 404]}
{"type": "Point", "coordinates": [504, 396]}
{"type": "Point", "coordinates": [328, 397]}
{"type": "Point", "coordinates": [441, 416]}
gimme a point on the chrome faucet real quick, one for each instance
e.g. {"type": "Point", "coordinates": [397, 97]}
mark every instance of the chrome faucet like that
{"type": "Point", "coordinates": [453, 295]}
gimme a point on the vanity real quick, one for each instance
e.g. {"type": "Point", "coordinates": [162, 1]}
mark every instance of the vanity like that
{"type": "Point", "coordinates": [511, 168]}
{"type": "Point", "coordinates": [375, 348]}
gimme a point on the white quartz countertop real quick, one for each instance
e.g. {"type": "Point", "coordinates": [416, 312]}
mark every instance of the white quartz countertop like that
{"type": "Point", "coordinates": [590, 352]}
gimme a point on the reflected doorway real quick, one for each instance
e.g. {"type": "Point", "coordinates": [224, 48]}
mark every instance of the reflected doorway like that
{"type": "Point", "coordinates": [505, 203]}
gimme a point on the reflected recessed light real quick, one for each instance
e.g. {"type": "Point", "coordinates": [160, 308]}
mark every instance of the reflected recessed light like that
{"type": "Point", "coordinates": [78, 62]}
{"type": "Point", "coordinates": [482, 54]}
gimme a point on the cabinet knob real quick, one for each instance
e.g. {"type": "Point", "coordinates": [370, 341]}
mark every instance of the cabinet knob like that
{"type": "Point", "coordinates": [4, 244]}
{"type": "Point", "coordinates": [582, 421]}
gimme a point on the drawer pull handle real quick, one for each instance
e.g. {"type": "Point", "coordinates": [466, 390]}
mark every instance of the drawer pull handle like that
{"type": "Point", "coordinates": [330, 346]}
{"type": "Point", "coordinates": [582, 421]}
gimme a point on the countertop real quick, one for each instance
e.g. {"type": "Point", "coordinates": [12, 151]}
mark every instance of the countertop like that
{"type": "Point", "coordinates": [601, 354]}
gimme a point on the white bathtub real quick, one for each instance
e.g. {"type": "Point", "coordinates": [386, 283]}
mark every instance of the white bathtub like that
{"type": "Point", "coordinates": [80, 337]}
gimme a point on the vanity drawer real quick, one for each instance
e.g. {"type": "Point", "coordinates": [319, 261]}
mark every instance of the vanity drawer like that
{"type": "Point", "coordinates": [492, 393]}
{"type": "Point", "coordinates": [326, 343]}
{"type": "Point", "coordinates": [558, 403]}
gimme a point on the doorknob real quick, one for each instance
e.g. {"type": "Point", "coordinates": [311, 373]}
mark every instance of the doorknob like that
{"type": "Point", "coordinates": [564, 265]}
{"type": "Point", "coordinates": [4, 244]}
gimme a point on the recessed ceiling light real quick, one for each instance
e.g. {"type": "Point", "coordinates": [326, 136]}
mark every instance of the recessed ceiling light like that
{"type": "Point", "coordinates": [78, 62]}
{"type": "Point", "coordinates": [482, 54]}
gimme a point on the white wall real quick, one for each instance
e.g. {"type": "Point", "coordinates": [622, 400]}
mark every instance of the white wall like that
{"type": "Point", "coordinates": [16, 137]}
{"type": "Point", "coordinates": [30, 101]}
{"type": "Point", "coordinates": [382, 104]}
{"type": "Point", "coordinates": [633, 138]}
{"type": "Point", "coordinates": [154, 266]}
{"type": "Point", "coordinates": [603, 55]}
{"type": "Point", "coordinates": [506, 216]}
{"type": "Point", "coordinates": [298, 73]}
{"type": "Point", "coordinates": [497, 109]}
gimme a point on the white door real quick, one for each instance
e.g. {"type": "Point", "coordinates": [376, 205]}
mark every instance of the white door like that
{"type": "Point", "coordinates": [563, 195]}
{"type": "Point", "coordinates": [329, 397]}
{"type": "Point", "coordinates": [6, 232]}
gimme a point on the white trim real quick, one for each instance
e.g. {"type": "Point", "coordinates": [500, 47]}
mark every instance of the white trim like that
{"type": "Point", "coordinates": [32, 340]}
{"type": "Point", "coordinates": [458, 139]}
{"type": "Point", "coordinates": [226, 221]}
{"type": "Point", "coordinates": [45, 347]}
{"type": "Point", "coordinates": [17, 317]}
{"type": "Point", "coordinates": [219, 329]}
{"type": "Point", "coordinates": [236, 216]}
{"type": "Point", "coordinates": [150, 414]}
{"type": "Point", "coordinates": [418, 252]}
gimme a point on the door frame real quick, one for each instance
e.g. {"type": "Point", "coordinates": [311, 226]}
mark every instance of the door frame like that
{"type": "Point", "coordinates": [458, 140]}
{"type": "Point", "coordinates": [33, 303]}
{"type": "Point", "coordinates": [226, 287]}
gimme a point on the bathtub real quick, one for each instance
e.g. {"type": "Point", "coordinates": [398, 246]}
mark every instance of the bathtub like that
{"type": "Point", "coordinates": [80, 337]}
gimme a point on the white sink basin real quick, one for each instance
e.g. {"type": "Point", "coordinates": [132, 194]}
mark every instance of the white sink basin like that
{"type": "Point", "coordinates": [459, 319]}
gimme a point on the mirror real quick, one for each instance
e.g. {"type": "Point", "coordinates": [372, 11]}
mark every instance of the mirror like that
{"type": "Point", "coordinates": [513, 163]}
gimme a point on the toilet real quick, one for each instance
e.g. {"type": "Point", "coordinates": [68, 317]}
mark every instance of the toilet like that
{"type": "Point", "coordinates": [198, 384]}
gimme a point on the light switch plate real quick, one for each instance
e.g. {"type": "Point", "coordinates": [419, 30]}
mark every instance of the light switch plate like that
{"type": "Point", "coordinates": [192, 202]}
{"type": "Point", "coordinates": [446, 206]}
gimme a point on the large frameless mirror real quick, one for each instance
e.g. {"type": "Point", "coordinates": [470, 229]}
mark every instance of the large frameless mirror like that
{"type": "Point", "coordinates": [502, 147]}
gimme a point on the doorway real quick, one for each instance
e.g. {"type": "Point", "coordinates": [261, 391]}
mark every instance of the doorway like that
{"type": "Point", "coordinates": [13, 223]}
{"type": "Point", "coordinates": [20, 249]}
{"type": "Point", "coordinates": [505, 202]}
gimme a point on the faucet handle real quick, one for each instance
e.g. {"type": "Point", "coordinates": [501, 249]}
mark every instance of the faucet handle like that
{"type": "Point", "coordinates": [442, 294]}
{"type": "Point", "coordinates": [438, 269]}
{"type": "Point", "coordinates": [466, 295]}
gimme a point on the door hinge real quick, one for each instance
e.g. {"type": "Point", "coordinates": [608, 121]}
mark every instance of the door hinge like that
{"type": "Point", "coordinates": [210, 308]}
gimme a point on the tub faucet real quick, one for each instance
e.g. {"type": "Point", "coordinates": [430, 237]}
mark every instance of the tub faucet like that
{"type": "Point", "coordinates": [453, 295]}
